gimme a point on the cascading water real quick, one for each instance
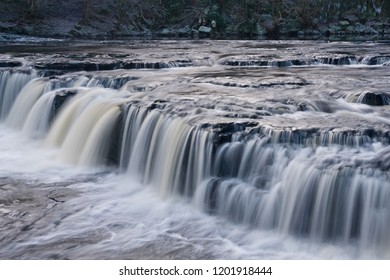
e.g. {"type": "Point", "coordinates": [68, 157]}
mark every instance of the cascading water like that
{"type": "Point", "coordinates": [304, 192]}
{"type": "Point", "coordinates": [287, 158]}
{"type": "Point", "coordinates": [10, 85]}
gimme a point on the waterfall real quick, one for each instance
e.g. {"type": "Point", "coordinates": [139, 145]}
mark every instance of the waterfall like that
{"type": "Point", "coordinates": [83, 128]}
{"type": "Point", "coordinates": [303, 192]}
{"type": "Point", "coordinates": [169, 153]}
{"type": "Point", "coordinates": [135, 117]}
{"type": "Point", "coordinates": [10, 85]}
{"type": "Point", "coordinates": [321, 185]}
{"type": "Point", "coordinates": [24, 101]}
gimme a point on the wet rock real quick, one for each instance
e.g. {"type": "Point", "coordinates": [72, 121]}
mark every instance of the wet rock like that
{"type": "Point", "coordinates": [323, 106]}
{"type": "Point", "coordinates": [25, 208]}
{"type": "Point", "coordinates": [302, 107]}
{"type": "Point", "coordinates": [77, 66]}
{"type": "Point", "coordinates": [376, 60]}
{"type": "Point", "coordinates": [10, 63]}
{"type": "Point", "coordinates": [374, 98]}
{"type": "Point", "coordinates": [342, 60]}
{"type": "Point", "coordinates": [158, 104]}
{"type": "Point", "coordinates": [223, 132]}
{"type": "Point", "coordinates": [114, 154]}
{"type": "Point", "coordinates": [59, 100]}
{"type": "Point", "coordinates": [144, 65]}
{"type": "Point", "coordinates": [73, 66]}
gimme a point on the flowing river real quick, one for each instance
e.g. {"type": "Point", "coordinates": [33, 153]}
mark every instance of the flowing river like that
{"type": "Point", "coordinates": [194, 150]}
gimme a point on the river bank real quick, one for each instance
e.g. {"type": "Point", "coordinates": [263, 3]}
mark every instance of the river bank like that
{"type": "Point", "coordinates": [154, 19]}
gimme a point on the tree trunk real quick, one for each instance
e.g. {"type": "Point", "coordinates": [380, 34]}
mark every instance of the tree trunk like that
{"type": "Point", "coordinates": [85, 9]}
{"type": "Point", "coordinates": [32, 6]}
{"type": "Point", "coordinates": [386, 8]}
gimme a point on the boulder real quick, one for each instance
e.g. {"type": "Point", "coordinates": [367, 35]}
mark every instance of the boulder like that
{"type": "Point", "coordinates": [370, 30]}
{"type": "Point", "coordinates": [374, 98]}
{"type": "Point", "coordinates": [324, 29]}
{"type": "Point", "coordinates": [359, 28]}
{"type": "Point", "coordinates": [334, 28]}
{"type": "Point", "coordinates": [344, 24]}
{"type": "Point", "coordinates": [351, 18]}
{"type": "Point", "coordinates": [59, 100]}
{"type": "Point", "coordinates": [167, 32]}
{"type": "Point", "coordinates": [184, 31]}
{"type": "Point", "coordinates": [205, 29]}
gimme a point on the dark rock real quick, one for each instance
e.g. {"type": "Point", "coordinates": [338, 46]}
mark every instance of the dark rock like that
{"type": "Point", "coordinates": [10, 64]}
{"type": "Point", "coordinates": [114, 154]}
{"type": "Point", "coordinates": [323, 106]}
{"type": "Point", "coordinates": [59, 100]}
{"type": "Point", "coordinates": [223, 132]}
{"type": "Point", "coordinates": [158, 104]}
{"type": "Point", "coordinates": [377, 60]}
{"type": "Point", "coordinates": [302, 107]}
{"type": "Point", "coordinates": [74, 33]}
{"type": "Point", "coordinates": [77, 66]}
{"type": "Point", "coordinates": [375, 98]}
{"type": "Point", "coordinates": [144, 65]}
{"type": "Point", "coordinates": [344, 24]}
{"type": "Point", "coordinates": [343, 60]}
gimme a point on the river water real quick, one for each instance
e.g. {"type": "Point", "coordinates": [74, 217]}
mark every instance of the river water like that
{"type": "Point", "coordinates": [194, 150]}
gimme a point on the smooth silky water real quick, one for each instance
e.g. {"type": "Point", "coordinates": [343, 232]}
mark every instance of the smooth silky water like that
{"type": "Point", "coordinates": [223, 150]}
